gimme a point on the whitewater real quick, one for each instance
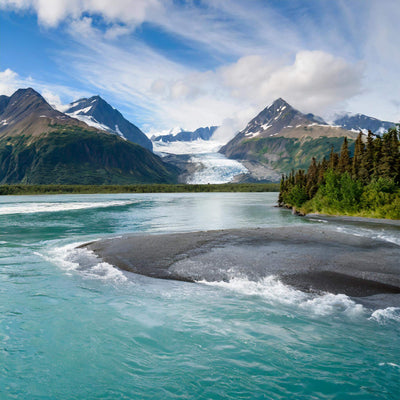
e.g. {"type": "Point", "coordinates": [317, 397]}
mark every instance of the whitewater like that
{"type": "Point", "coordinates": [75, 327]}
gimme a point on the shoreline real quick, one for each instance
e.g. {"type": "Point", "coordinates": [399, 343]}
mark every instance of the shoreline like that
{"type": "Point", "coordinates": [340, 218]}
{"type": "Point", "coordinates": [310, 258]}
{"type": "Point", "coordinates": [351, 219]}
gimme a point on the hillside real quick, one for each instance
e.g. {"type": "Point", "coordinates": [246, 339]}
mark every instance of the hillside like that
{"type": "Point", "coordinates": [39, 145]}
{"type": "Point", "coordinates": [281, 138]}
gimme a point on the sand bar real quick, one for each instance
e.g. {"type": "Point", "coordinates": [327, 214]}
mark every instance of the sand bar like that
{"type": "Point", "coordinates": [310, 258]}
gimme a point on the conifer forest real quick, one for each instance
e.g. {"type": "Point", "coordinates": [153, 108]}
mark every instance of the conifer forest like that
{"type": "Point", "coordinates": [365, 184]}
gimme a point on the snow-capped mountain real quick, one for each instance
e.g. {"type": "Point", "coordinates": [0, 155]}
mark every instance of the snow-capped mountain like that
{"type": "Point", "coordinates": [40, 145]}
{"type": "Point", "coordinates": [280, 138]}
{"type": "Point", "coordinates": [361, 122]}
{"type": "Point", "coordinates": [277, 118]}
{"type": "Point", "coordinates": [96, 112]}
{"type": "Point", "coordinates": [180, 135]}
{"type": "Point", "coordinates": [28, 112]}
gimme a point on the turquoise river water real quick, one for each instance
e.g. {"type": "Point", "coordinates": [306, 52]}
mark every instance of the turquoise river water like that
{"type": "Point", "coordinates": [69, 331]}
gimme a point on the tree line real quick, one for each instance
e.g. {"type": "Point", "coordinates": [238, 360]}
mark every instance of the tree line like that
{"type": "Point", "coordinates": [365, 183]}
{"type": "Point", "coordinates": [21, 189]}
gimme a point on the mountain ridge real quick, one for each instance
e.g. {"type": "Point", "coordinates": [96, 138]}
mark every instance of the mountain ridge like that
{"type": "Point", "coordinates": [96, 112]}
{"type": "Point", "coordinates": [27, 112]}
{"type": "Point", "coordinates": [203, 133]}
{"type": "Point", "coordinates": [364, 123]}
{"type": "Point", "coordinates": [40, 145]}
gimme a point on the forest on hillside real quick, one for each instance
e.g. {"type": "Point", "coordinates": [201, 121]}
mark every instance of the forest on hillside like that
{"type": "Point", "coordinates": [365, 183]}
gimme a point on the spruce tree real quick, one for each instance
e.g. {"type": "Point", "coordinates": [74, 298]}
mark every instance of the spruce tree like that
{"type": "Point", "coordinates": [344, 164]}
{"type": "Point", "coordinates": [333, 160]}
{"type": "Point", "coordinates": [312, 178]}
{"type": "Point", "coordinates": [357, 158]}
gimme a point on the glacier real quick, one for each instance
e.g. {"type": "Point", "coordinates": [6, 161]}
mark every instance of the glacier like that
{"type": "Point", "coordinates": [213, 167]}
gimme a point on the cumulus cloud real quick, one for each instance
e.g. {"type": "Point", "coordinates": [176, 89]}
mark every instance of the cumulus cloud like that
{"type": "Point", "coordinates": [273, 54]}
{"type": "Point", "coordinates": [51, 12]}
{"type": "Point", "coordinates": [314, 82]}
{"type": "Point", "coordinates": [9, 82]}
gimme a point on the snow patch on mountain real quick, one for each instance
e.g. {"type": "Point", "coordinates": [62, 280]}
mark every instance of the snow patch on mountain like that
{"type": "Point", "coordinates": [89, 120]}
{"type": "Point", "coordinates": [194, 147]}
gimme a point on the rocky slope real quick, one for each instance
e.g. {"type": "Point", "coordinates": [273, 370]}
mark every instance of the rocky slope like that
{"type": "Point", "coordinates": [96, 112]}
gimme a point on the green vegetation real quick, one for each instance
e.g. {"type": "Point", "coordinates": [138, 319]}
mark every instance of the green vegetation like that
{"type": "Point", "coordinates": [366, 184]}
{"type": "Point", "coordinates": [153, 188]}
{"type": "Point", "coordinates": [284, 154]}
{"type": "Point", "coordinates": [74, 155]}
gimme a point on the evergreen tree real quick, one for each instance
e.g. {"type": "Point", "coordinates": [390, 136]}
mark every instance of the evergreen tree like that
{"type": "Point", "coordinates": [367, 162]}
{"type": "Point", "coordinates": [312, 178]}
{"type": "Point", "coordinates": [358, 155]}
{"type": "Point", "coordinates": [344, 164]}
{"type": "Point", "coordinates": [377, 168]}
{"type": "Point", "coordinates": [333, 160]}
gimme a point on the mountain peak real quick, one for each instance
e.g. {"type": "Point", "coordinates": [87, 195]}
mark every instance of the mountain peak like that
{"type": "Point", "coordinates": [277, 117]}
{"type": "Point", "coordinates": [280, 101]}
{"type": "Point", "coordinates": [28, 90]}
{"type": "Point", "coordinates": [96, 112]}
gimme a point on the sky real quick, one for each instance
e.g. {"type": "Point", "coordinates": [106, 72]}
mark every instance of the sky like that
{"type": "Point", "coordinates": [168, 63]}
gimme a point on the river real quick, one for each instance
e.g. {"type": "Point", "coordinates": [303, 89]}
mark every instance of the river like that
{"type": "Point", "coordinates": [86, 330]}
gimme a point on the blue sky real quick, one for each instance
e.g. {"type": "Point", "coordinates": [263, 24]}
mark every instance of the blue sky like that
{"type": "Point", "coordinates": [166, 63]}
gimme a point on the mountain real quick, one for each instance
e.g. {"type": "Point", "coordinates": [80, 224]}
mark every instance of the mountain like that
{"type": "Point", "coordinates": [96, 112]}
{"type": "Point", "coordinates": [27, 113]}
{"type": "Point", "coordinates": [281, 138]}
{"type": "Point", "coordinates": [40, 145]}
{"type": "Point", "coordinates": [360, 122]}
{"type": "Point", "coordinates": [186, 136]}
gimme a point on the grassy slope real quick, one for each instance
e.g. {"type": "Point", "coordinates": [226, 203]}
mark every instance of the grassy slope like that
{"type": "Point", "coordinates": [73, 155]}
{"type": "Point", "coordinates": [284, 154]}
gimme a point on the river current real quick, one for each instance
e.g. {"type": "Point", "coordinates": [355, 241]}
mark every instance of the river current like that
{"type": "Point", "coordinates": [74, 327]}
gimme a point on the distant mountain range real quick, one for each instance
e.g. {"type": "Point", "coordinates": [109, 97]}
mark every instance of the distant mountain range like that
{"type": "Point", "coordinates": [186, 136]}
{"type": "Point", "coordinates": [96, 112]}
{"type": "Point", "coordinates": [92, 143]}
{"type": "Point", "coordinates": [40, 145]}
{"type": "Point", "coordinates": [360, 122]}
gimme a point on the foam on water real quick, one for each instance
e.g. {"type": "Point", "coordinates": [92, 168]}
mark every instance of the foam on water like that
{"type": "Point", "coordinates": [85, 262]}
{"type": "Point", "coordinates": [389, 314]}
{"type": "Point", "coordinates": [40, 207]}
{"type": "Point", "coordinates": [384, 234]}
{"type": "Point", "coordinates": [273, 290]}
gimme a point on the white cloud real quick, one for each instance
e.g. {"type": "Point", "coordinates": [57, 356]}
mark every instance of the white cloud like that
{"type": "Point", "coordinates": [314, 82]}
{"type": "Point", "coordinates": [52, 98]}
{"type": "Point", "coordinates": [52, 12]}
{"type": "Point", "coordinates": [10, 81]}
{"type": "Point", "coordinates": [273, 54]}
